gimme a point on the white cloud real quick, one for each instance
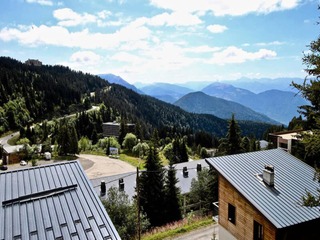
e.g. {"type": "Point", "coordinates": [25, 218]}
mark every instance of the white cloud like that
{"type": "Point", "coordinates": [223, 7]}
{"type": "Point", "coordinates": [127, 57]}
{"type": "Point", "coordinates": [277, 43]}
{"type": "Point", "coordinates": [85, 57]}
{"type": "Point", "coordinates": [237, 55]}
{"type": "Point", "coordinates": [60, 36]}
{"type": "Point", "coordinates": [216, 28]}
{"type": "Point", "coordinates": [41, 2]}
{"type": "Point", "coordinates": [67, 17]}
{"type": "Point", "coordinates": [174, 19]}
{"type": "Point", "coordinates": [202, 49]}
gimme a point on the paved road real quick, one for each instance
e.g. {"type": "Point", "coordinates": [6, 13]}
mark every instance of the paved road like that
{"type": "Point", "coordinates": [206, 233]}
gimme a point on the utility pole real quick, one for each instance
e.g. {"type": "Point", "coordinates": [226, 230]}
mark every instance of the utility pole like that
{"type": "Point", "coordinates": [138, 205]}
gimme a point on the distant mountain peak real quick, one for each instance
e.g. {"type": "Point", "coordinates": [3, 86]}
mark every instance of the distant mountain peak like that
{"type": "Point", "coordinates": [111, 78]}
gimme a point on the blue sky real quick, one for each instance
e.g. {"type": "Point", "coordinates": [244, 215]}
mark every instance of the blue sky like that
{"type": "Point", "coordinates": [163, 40]}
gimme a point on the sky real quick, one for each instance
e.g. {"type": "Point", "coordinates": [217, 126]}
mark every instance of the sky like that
{"type": "Point", "coordinates": [171, 41]}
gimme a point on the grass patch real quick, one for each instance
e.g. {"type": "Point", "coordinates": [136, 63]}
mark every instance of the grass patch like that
{"type": "Point", "coordinates": [94, 152]}
{"type": "Point", "coordinates": [68, 158]}
{"type": "Point", "coordinates": [177, 228]}
{"type": "Point", "coordinates": [134, 161]}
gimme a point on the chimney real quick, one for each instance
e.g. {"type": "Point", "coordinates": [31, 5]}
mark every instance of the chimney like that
{"type": "Point", "coordinates": [121, 184]}
{"type": "Point", "coordinates": [199, 167]}
{"type": "Point", "coordinates": [268, 175]}
{"type": "Point", "coordinates": [185, 172]}
{"type": "Point", "coordinates": [103, 188]}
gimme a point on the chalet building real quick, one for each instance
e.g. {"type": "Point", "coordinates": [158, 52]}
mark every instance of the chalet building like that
{"type": "Point", "coordinates": [54, 201]}
{"type": "Point", "coordinates": [285, 139]}
{"type": "Point", "coordinates": [12, 154]}
{"type": "Point", "coordinates": [260, 196]}
{"type": "Point", "coordinates": [112, 129]}
{"type": "Point", "coordinates": [33, 62]}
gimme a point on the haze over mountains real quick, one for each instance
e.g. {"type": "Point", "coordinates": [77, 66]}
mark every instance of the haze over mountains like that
{"type": "Point", "coordinates": [268, 100]}
{"type": "Point", "coordinates": [199, 102]}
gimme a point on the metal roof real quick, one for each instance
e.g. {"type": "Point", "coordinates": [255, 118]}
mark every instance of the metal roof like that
{"type": "Point", "coordinates": [281, 204]}
{"type": "Point", "coordinates": [129, 179]}
{"type": "Point", "coordinates": [54, 201]}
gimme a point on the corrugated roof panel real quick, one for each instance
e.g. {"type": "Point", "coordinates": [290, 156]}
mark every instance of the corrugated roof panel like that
{"type": "Point", "coordinates": [39, 181]}
{"type": "Point", "coordinates": [26, 183]}
{"type": "Point", "coordinates": [51, 202]}
{"type": "Point", "coordinates": [45, 213]}
{"type": "Point", "coordinates": [59, 212]}
{"type": "Point", "coordinates": [95, 228]}
{"type": "Point", "coordinates": [49, 234]}
{"type": "Point", "coordinates": [44, 179]}
{"type": "Point", "coordinates": [31, 217]}
{"type": "Point", "coordinates": [83, 218]}
{"type": "Point", "coordinates": [14, 179]}
{"type": "Point", "coordinates": [73, 210]}
{"type": "Point", "coordinates": [54, 219]}
{"type": "Point", "coordinates": [16, 220]}
{"type": "Point", "coordinates": [80, 230]}
{"type": "Point", "coordinates": [66, 210]}
{"type": "Point", "coordinates": [24, 224]}
{"type": "Point", "coordinates": [282, 204]}
{"type": "Point", "coordinates": [39, 220]}
{"type": "Point", "coordinates": [8, 229]}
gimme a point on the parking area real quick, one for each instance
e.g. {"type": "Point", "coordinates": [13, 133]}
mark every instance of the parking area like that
{"type": "Point", "coordinates": [94, 166]}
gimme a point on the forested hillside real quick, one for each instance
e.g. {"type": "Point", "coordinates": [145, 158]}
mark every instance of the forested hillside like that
{"type": "Point", "coordinates": [199, 102]}
{"type": "Point", "coordinates": [30, 93]}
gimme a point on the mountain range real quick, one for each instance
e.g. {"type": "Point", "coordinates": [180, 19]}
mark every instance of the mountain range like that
{"type": "Point", "coordinates": [30, 93]}
{"type": "Point", "coordinates": [279, 105]}
{"type": "Point", "coordinates": [199, 102]}
{"type": "Point", "coordinates": [275, 99]}
{"type": "Point", "coordinates": [111, 78]}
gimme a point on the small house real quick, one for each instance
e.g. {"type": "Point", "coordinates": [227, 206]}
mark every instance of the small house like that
{"type": "Point", "coordinates": [260, 196]}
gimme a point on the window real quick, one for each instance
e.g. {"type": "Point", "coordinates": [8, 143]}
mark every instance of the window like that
{"type": "Point", "coordinates": [232, 213]}
{"type": "Point", "coordinates": [257, 231]}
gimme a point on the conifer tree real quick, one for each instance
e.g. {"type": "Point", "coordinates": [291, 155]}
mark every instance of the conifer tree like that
{"type": "Point", "coordinates": [233, 137]}
{"type": "Point", "coordinates": [172, 193]}
{"type": "Point", "coordinates": [152, 195]}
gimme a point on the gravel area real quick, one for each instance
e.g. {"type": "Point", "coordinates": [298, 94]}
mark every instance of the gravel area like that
{"type": "Point", "coordinates": [94, 166]}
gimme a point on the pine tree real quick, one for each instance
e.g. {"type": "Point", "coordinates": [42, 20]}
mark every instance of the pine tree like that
{"type": "Point", "coordinates": [172, 193]}
{"type": "Point", "coordinates": [233, 137]}
{"type": "Point", "coordinates": [152, 195]}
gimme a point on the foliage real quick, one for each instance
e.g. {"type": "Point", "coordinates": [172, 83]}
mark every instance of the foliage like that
{"type": "Point", "coordinates": [29, 92]}
{"type": "Point", "coordinates": [152, 194]}
{"type": "Point", "coordinates": [130, 140]}
{"type": "Point", "coordinates": [123, 213]}
{"type": "Point", "coordinates": [204, 153]}
{"type": "Point", "coordinates": [310, 90]}
{"type": "Point", "coordinates": [204, 189]}
{"type": "Point", "coordinates": [233, 137]}
{"type": "Point", "coordinates": [179, 151]}
{"type": "Point", "coordinates": [172, 230]}
{"type": "Point", "coordinates": [23, 141]}
{"type": "Point", "coordinates": [67, 138]}
{"type": "Point", "coordinates": [172, 196]}
{"type": "Point", "coordinates": [141, 149]}
{"type": "Point", "coordinates": [84, 144]}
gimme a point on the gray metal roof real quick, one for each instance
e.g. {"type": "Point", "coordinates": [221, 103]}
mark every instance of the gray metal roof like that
{"type": "Point", "coordinates": [281, 205]}
{"type": "Point", "coordinates": [129, 179]}
{"type": "Point", "coordinates": [53, 201]}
